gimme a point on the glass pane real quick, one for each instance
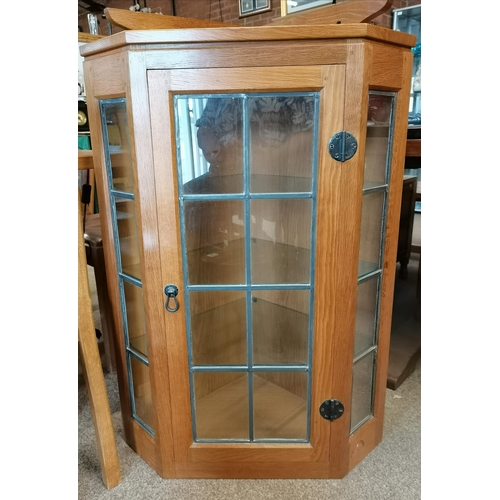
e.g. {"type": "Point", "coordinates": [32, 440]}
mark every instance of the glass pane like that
{"type": "Point", "coordinates": [280, 405]}
{"type": "Point", "coordinates": [210, 141]}
{"type": "Point", "coordinates": [128, 237]}
{"type": "Point", "coordinates": [215, 237]}
{"type": "Point", "coordinates": [136, 323]}
{"type": "Point", "coordinates": [362, 390]}
{"type": "Point", "coordinates": [379, 109]}
{"type": "Point", "coordinates": [281, 240]}
{"type": "Point", "coordinates": [247, 6]}
{"type": "Point", "coordinates": [377, 142]}
{"type": "Point", "coordinates": [281, 143]}
{"type": "Point", "coordinates": [221, 402]}
{"type": "Point", "coordinates": [371, 232]}
{"type": "Point", "coordinates": [142, 392]}
{"type": "Point", "coordinates": [115, 115]}
{"type": "Point", "coordinates": [377, 139]}
{"type": "Point", "coordinates": [366, 315]}
{"type": "Point", "coordinates": [280, 326]}
{"type": "Point", "coordinates": [218, 328]}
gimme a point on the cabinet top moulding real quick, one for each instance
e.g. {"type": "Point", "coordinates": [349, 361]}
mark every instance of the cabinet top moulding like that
{"type": "Point", "coordinates": [250, 34]}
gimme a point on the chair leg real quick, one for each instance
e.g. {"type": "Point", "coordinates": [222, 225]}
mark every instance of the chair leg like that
{"type": "Point", "coordinates": [92, 369]}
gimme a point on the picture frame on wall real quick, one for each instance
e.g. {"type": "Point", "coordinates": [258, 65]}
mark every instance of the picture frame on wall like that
{"type": "Point", "coordinates": [292, 6]}
{"type": "Point", "coordinates": [251, 7]}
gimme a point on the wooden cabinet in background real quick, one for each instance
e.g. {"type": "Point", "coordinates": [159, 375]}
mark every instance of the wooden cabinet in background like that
{"type": "Point", "coordinates": [251, 187]}
{"type": "Point", "coordinates": [408, 199]}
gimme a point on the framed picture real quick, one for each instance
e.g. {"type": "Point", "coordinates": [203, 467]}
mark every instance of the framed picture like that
{"type": "Point", "coordinates": [251, 7]}
{"type": "Point", "coordinates": [292, 6]}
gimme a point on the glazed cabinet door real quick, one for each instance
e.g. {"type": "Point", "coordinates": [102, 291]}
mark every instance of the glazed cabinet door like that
{"type": "Point", "coordinates": [247, 196]}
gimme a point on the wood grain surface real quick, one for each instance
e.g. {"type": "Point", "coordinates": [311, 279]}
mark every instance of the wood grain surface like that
{"type": "Point", "coordinates": [353, 11]}
{"type": "Point", "coordinates": [92, 369]}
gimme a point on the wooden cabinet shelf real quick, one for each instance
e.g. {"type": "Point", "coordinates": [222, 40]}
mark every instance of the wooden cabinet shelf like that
{"type": "Point", "coordinates": [280, 333]}
{"type": "Point", "coordinates": [258, 184]}
{"type": "Point", "coordinates": [224, 263]}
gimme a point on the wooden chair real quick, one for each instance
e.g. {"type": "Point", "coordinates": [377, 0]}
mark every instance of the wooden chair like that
{"type": "Point", "coordinates": [92, 369]}
{"type": "Point", "coordinates": [95, 258]}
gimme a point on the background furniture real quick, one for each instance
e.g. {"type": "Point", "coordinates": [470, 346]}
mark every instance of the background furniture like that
{"type": "Point", "coordinates": [92, 369]}
{"type": "Point", "coordinates": [413, 162]}
{"type": "Point", "coordinates": [405, 335]}
{"type": "Point", "coordinates": [408, 199]}
{"type": "Point", "coordinates": [229, 247]}
{"type": "Point", "coordinates": [95, 257]}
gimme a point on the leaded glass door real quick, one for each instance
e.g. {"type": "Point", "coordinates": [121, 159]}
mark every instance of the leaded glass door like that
{"type": "Point", "coordinates": [244, 151]}
{"type": "Point", "coordinates": [248, 247]}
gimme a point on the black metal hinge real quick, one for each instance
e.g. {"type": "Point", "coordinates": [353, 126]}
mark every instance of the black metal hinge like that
{"type": "Point", "coordinates": [342, 146]}
{"type": "Point", "coordinates": [331, 409]}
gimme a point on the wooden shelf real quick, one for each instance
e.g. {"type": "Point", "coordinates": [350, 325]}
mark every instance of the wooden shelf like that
{"type": "Point", "coordinates": [280, 334]}
{"type": "Point", "coordinates": [365, 268]}
{"type": "Point", "coordinates": [271, 263]}
{"type": "Point", "coordinates": [139, 343]}
{"type": "Point", "coordinates": [233, 184]}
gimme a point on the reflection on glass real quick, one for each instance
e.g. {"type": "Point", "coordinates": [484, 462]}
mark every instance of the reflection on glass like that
{"type": "Point", "coordinates": [371, 232]}
{"type": "Point", "coordinates": [128, 237]}
{"type": "Point", "coordinates": [362, 390]}
{"type": "Point", "coordinates": [215, 236]}
{"type": "Point", "coordinates": [221, 402]}
{"type": "Point", "coordinates": [380, 108]}
{"type": "Point", "coordinates": [280, 144]}
{"type": "Point", "coordinates": [280, 240]}
{"type": "Point", "coordinates": [366, 315]}
{"type": "Point", "coordinates": [280, 325]}
{"type": "Point", "coordinates": [134, 306]}
{"type": "Point", "coordinates": [218, 328]}
{"type": "Point", "coordinates": [377, 140]}
{"type": "Point", "coordinates": [280, 407]}
{"type": "Point", "coordinates": [211, 145]}
{"type": "Point", "coordinates": [142, 392]}
{"type": "Point", "coordinates": [115, 115]}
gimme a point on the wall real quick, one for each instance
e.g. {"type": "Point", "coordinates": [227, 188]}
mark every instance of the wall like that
{"type": "Point", "coordinates": [218, 10]}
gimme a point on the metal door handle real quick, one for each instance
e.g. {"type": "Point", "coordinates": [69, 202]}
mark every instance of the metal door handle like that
{"type": "Point", "coordinates": [171, 292]}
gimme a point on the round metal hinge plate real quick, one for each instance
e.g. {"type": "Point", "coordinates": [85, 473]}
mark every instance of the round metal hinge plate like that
{"type": "Point", "coordinates": [331, 409]}
{"type": "Point", "coordinates": [342, 146]}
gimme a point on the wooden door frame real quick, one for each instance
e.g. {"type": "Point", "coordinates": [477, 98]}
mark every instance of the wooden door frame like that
{"type": "Point", "coordinates": [329, 80]}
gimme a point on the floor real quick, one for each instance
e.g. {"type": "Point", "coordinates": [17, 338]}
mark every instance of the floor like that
{"type": "Point", "coordinates": [390, 472]}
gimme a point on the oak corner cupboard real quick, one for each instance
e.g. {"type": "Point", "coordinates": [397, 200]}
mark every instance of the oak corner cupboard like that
{"type": "Point", "coordinates": [250, 185]}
